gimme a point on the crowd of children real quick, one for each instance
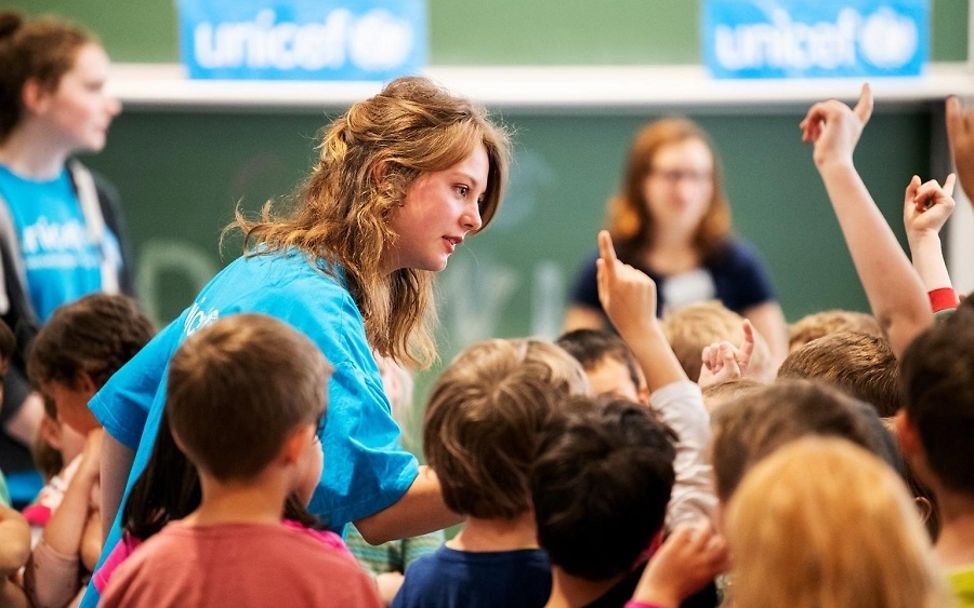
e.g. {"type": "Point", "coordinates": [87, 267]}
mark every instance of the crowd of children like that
{"type": "Point", "coordinates": [662, 463]}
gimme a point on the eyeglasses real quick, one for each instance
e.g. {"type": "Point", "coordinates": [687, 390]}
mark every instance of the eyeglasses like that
{"type": "Point", "coordinates": [674, 176]}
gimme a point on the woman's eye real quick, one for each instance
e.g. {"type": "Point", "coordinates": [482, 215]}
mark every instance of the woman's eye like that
{"type": "Point", "coordinates": [462, 190]}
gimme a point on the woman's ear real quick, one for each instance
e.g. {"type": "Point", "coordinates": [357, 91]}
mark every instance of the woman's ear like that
{"type": "Point", "coordinates": [35, 97]}
{"type": "Point", "coordinates": [924, 507]}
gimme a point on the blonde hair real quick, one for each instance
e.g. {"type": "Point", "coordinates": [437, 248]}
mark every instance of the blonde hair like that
{"type": "Point", "coordinates": [369, 157]}
{"type": "Point", "coordinates": [484, 421]}
{"type": "Point", "coordinates": [823, 523]}
{"type": "Point", "coordinates": [629, 219]}
{"type": "Point", "coordinates": [692, 328]}
{"type": "Point", "coordinates": [827, 322]}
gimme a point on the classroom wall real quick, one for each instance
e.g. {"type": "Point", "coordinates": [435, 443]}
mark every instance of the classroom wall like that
{"type": "Point", "coordinates": [181, 171]}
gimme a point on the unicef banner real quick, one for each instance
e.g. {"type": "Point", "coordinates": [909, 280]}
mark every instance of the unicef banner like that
{"type": "Point", "coordinates": [809, 39]}
{"type": "Point", "coordinates": [302, 39]}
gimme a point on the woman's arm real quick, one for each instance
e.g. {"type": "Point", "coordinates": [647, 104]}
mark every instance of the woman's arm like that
{"type": "Point", "coordinates": [420, 510]}
{"type": "Point", "coordinates": [116, 463]}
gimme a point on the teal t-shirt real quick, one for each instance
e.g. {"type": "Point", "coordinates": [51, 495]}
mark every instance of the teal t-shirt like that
{"type": "Point", "coordinates": [366, 469]}
{"type": "Point", "coordinates": [62, 261]}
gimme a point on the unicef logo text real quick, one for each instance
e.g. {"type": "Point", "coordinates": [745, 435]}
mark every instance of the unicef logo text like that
{"type": "Point", "coordinates": [883, 38]}
{"type": "Point", "coordinates": [374, 40]}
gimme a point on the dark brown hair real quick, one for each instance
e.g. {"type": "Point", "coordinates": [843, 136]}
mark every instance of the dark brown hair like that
{"type": "Point", "coordinates": [237, 388]}
{"type": "Point", "coordinates": [859, 364]}
{"type": "Point", "coordinates": [43, 49]}
{"type": "Point", "coordinates": [484, 418]}
{"type": "Point", "coordinates": [368, 159]}
{"type": "Point", "coordinates": [749, 428]}
{"type": "Point", "coordinates": [630, 220]}
{"type": "Point", "coordinates": [97, 334]}
{"type": "Point", "coordinates": [592, 346]}
{"type": "Point", "coordinates": [937, 373]}
{"type": "Point", "coordinates": [601, 481]}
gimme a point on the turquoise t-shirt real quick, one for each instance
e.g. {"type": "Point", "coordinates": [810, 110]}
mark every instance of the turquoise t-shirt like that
{"type": "Point", "coordinates": [61, 260]}
{"type": "Point", "coordinates": [366, 469]}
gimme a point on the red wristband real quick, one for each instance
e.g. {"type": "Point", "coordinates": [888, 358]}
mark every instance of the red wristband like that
{"type": "Point", "coordinates": [944, 297]}
{"type": "Point", "coordinates": [638, 604]}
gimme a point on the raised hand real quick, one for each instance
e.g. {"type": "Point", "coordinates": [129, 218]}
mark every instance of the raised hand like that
{"type": "Point", "coordinates": [960, 133]}
{"type": "Point", "coordinates": [627, 294]}
{"type": "Point", "coordinates": [927, 206]}
{"type": "Point", "coordinates": [722, 361]}
{"type": "Point", "coordinates": [834, 128]}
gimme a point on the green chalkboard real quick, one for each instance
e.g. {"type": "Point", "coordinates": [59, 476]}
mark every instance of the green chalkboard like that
{"type": "Point", "coordinates": [501, 32]}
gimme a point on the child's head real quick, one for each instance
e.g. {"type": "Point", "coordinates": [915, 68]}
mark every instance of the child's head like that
{"type": "Point", "coordinates": [634, 214]}
{"type": "Point", "coordinates": [937, 374]}
{"type": "Point", "coordinates": [80, 347]}
{"type": "Point", "coordinates": [244, 393]}
{"type": "Point", "coordinates": [820, 324]}
{"type": "Point", "coordinates": [483, 421]}
{"type": "Point", "coordinates": [607, 361]}
{"type": "Point", "coordinates": [822, 522]}
{"type": "Point", "coordinates": [716, 395]}
{"type": "Point", "coordinates": [750, 428]}
{"type": "Point", "coordinates": [691, 329]}
{"type": "Point", "coordinates": [859, 364]}
{"type": "Point", "coordinates": [370, 159]}
{"type": "Point", "coordinates": [600, 485]}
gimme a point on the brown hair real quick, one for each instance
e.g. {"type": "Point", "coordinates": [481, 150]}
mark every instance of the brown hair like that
{"type": "Point", "coordinates": [718, 394]}
{"type": "Point", "coordinates": [237, 388]}
{"type": "Point", "coordinates": [937, 373]}
{"type": "Point", "coordinates": [369, 157]}
{"type": "Point", "coordinates": [749, 428]}
{"type": "Point", "coordinates": [861, 541]}
{"type": "Point", "coordinates": [692, 328]}
{"type": "Point", "coordinates": [862, 365]}
{"type": "Point", "coordinates": [97, 334]}
{"type": "Point", "coordinates": [484, 418]}
{"type": "Point", "coordinates": [821, 324]}
{"type": "Point", "coordinates": [601, 481]}
{"type": "Point", "coordinates": [591, 347]}
{"type": "Point", "coordinates": [629, 219]}
{"type": "Point", "coordinates": [43, 49]}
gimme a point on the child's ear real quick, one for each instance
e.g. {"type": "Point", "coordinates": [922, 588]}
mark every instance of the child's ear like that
{"type": "Point", "coordinates": [50, 432]}
{"type": "Point", "coordinates": [84, 383]}
{"type": "Point", "coordinates": [296, 443]}
{"type": "Point", "coordinates": [907, 435]}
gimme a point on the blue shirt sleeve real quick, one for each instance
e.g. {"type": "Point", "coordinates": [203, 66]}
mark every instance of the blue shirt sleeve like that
{"type": "Point", "coordinates": [741, 278]}
{"type": "Point", "coordinates": [122, 405]}
{"type": "Point", "coordinates": [365, 467]}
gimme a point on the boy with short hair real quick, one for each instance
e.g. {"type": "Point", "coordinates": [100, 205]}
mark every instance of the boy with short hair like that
{"type": "Point", "coordinates": [691, 329]}
{"type": "Point", "coordinates": [862, 365]}
{"type": "Point", "coordinates": [935, 429]}
{"type": "Point", "coordinates": [828, 322]}
{"type": "Point", "coordinates": [608, 363]}
{"type": "Point", "coordinates": [244, 399]}
{"type": "Point", "coordinates": [482, 426]}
